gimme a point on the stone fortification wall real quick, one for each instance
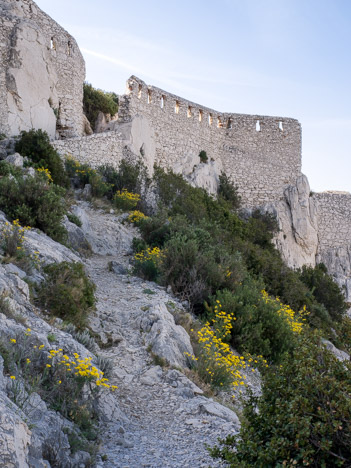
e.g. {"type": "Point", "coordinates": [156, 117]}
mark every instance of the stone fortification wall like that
{"type": "Point", "coordinates": [334, 219]}
{"type": "Point", "coordinates": [261, 154]}
{"type": "Point", "coordinates": [334, 235]}
{"type": "Point", "coordinates": [41, 74]}
{"type": "Point", "coordinates": [95, 150]}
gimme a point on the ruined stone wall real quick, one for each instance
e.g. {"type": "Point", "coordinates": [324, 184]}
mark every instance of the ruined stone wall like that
{"type": "Point", "coordinates": [42, 72]}
{"type": "Point", "coordinates": [334, 235]}
{"type": "Point", "coordinates": [95, 150]}
{"type": "Point", "coordinates": [334, 219]}
{"type": "Point", "coordinates": [262, 155]}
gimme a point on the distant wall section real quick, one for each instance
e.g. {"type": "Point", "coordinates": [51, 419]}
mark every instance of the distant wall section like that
{"type": "Point", "coordinates": [95, 150]}
{"type": "Point", "coordinates": [261, 154]}
{"type": "Point", "coordinates": [334, 219]}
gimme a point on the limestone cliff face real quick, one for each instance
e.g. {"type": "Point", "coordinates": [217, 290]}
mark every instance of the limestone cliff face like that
{"type": "Point", "coordinates": [315, 229]}
{"type": "Point", "coordinates": [297, 215]}
{"type": "Point", "coordinates": [41, 73]}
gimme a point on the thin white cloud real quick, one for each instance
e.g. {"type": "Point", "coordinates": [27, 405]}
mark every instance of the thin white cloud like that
{"type": "Point", "coordinates": [106, 58]}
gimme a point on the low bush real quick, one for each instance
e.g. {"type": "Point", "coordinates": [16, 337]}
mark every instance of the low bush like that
{"type": "Point", "coordinates": [129, 176]}
{"type": "Point", "coordinates": [303, 417]}
{"type": "Point", "coordinates": [126, 200]}
{"type": "Point", "coordinates": [228, 191]}
{"type": "Point", "coordinates": [34, 202]}
{"type": "Point", "coordinates": [67, 292]}
{"type": "Point", "coordinates": [68, 384]}
{"type": "Point", "coordinates": [7, 169]}
{"type": "Point", "coordinates": [147, 263]}
{"type": "Point", "coordinates": [263, 325]}
{"type": "Point", "coordinates": [96, 100]}
{"type": "Point", "coordinates": [203, 156]}
{"type": "Point", "coordinates": [214, 361]}
{"type": "Point", "coordinates": [82, 174]}
{"type": "Point", "coordinates": [325, 290]}
{"type": "Point", "coordinates": [74, 219]}
{"type": "Point", "coordinates": [35, 144]}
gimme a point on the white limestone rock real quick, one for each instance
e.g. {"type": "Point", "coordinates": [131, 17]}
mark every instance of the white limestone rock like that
{"type": "Point", "coordinates": [166, 339]}
{"type": "Point", "coordinates": [338, 353]}
{"type": "Point", "coordinates": [31, 82]}
{"type": "Point", "coordinates": [15, 159]}
{"type": "Point", "coordinates": [298, 223]}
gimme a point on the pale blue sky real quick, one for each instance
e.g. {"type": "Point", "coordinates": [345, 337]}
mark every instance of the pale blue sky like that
{"type": "Point", "coordinates": [287, 58]}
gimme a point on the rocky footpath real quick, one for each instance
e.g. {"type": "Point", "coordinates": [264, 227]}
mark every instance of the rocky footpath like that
{"type": "Point", "coordinates": [157, 417]}
{"type": "Point", "coordinates": [164, 420]}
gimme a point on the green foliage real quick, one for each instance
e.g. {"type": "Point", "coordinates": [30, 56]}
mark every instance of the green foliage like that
{"type": "Point", "coordinates": [303, 417]}
{"type": "Point", "coordinates": [35, 144]}
{"type": "Point", "coordinates": [67, 292]}
{"type": "Point", "coordinates": [228, 191]}
{"type": "Point", "coordinates": [74, 219]}
{"type": "Point", "coordinates": [2, 136]}
{"type": "Point", "coordinates": [129, 176]}
{"type": "Point", "coordinates": [260, 229]}
{"type": "Point", "coordinates": [34, 202]}
{"type": "Point", "coordinates": [82, 174]}
{"type": "Point", "coordinates": [258, 329]}
{"type": "Point", "coordinates": [106, 180]}
{"type": "Point", "coordinates": [203, 156]}
{"type": "Point", "coordinates": [199, 234]}
{"type": "Point", "coordinates": [7, 169]}
{"type": "Point", "coordinates": [96, 100]}
{"type": "Point", "coordinates": [325, 290]}
{"type": "Point", "coordinates": [195, 270]}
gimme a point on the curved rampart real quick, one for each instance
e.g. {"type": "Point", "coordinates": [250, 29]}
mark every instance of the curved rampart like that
{"type": "Point", "coordinates": [261, 154]}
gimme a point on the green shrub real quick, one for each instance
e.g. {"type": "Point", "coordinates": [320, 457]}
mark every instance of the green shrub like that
{"type": "Point", "coordinates": [303, 417]}
{"type": "Point", "coordinates": [147, 263]}
{"type": "Point", "coordinates": [228, 191]}
{"type": "Point", "coordinates": [82, 174]}
{"type": "Point", "coordinates": [35, 144]}
{"type": "Point", "coordinates": [128, 176]}
{"type": "Point", "coordinates": [74, 219]}
{"type": "Point", "coordinates": [34, 202]}
{"type": "Point", "coordinates": [194, 271]}
{"type": "Point", "coordinates": [260, 229]}
{"type": "Point", "coordinates": [126, 200]}
{"type": "Point", "coordinates": [203, 156]}
{"type": "Point", "coordinates": [258, 328]}
{"type": "Point", "coordinates": [67, 292]}
{"type": "Point", "coordinates": [96, 100]}
{"type": "Point", "coordinates": [325, 290]}
{"type": "Point", "coordinates": [7, 169]}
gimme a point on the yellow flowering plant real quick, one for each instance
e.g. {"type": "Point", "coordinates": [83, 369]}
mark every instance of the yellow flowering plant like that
{"type": "Point", "coordinates": [66, 382]}
{"type": "Point", "coordinates": [136, 216]}
{"type": "Point", "coordinates": [147, 263]}
{"type": "Point", "coordinates": [126, 200]}
{"type": "Point", "coordinates": [215, 362]}
{"type": "Point", "coordinates": [12, 235]}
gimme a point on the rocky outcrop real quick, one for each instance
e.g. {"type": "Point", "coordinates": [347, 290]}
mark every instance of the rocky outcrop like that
{"type": "Point", "coordinates": [297, 216]}
{"type": "Point", "coordinates": [41, 73]}
{"type": "Point", "coordinates": [338, 263]}
{"type": "Point", "coordinates": [199, 174]}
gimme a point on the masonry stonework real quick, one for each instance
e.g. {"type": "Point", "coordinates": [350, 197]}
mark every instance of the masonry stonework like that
{"type": "Point", "coordinates": [261, 154]}
{"type": "Point", "coordinates": [41, 75]}
{"type": "Point", "coordinates": [334, 219]}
